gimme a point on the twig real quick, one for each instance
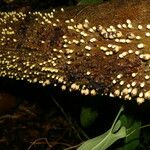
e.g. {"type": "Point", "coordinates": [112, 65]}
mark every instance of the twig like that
{"type": "Point", "coordinates": [75, 146]}
{"type": "Point", "coordinates": [7, 116]}
{"type": "Point", "coordinates": [37, 140]}
{"type": "Point", "coordinates": [69, 120]}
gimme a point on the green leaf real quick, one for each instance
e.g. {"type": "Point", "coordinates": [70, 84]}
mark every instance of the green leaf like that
{"type": "Point", "coordinates": [133, 133]}
{"type": "Point", "coordinates": [87, 116]}
{"type": "Point", "coordinates": [82, 2]}
{"type": "Point", "coordinates": [102, 142]}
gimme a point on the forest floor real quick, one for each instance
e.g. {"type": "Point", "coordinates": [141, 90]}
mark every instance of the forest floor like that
{"type": "Point", "coordinates": [33, 117]}
{"type": "Point", "coordinates": [32, 120]}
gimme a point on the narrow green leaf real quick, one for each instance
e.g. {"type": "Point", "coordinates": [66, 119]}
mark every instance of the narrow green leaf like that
{"type": "Point", "coordinates": [117, 126]}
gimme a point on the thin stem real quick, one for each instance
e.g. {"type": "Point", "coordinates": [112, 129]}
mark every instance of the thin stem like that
{"type": "Point", "coordinates": [148, 125]}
